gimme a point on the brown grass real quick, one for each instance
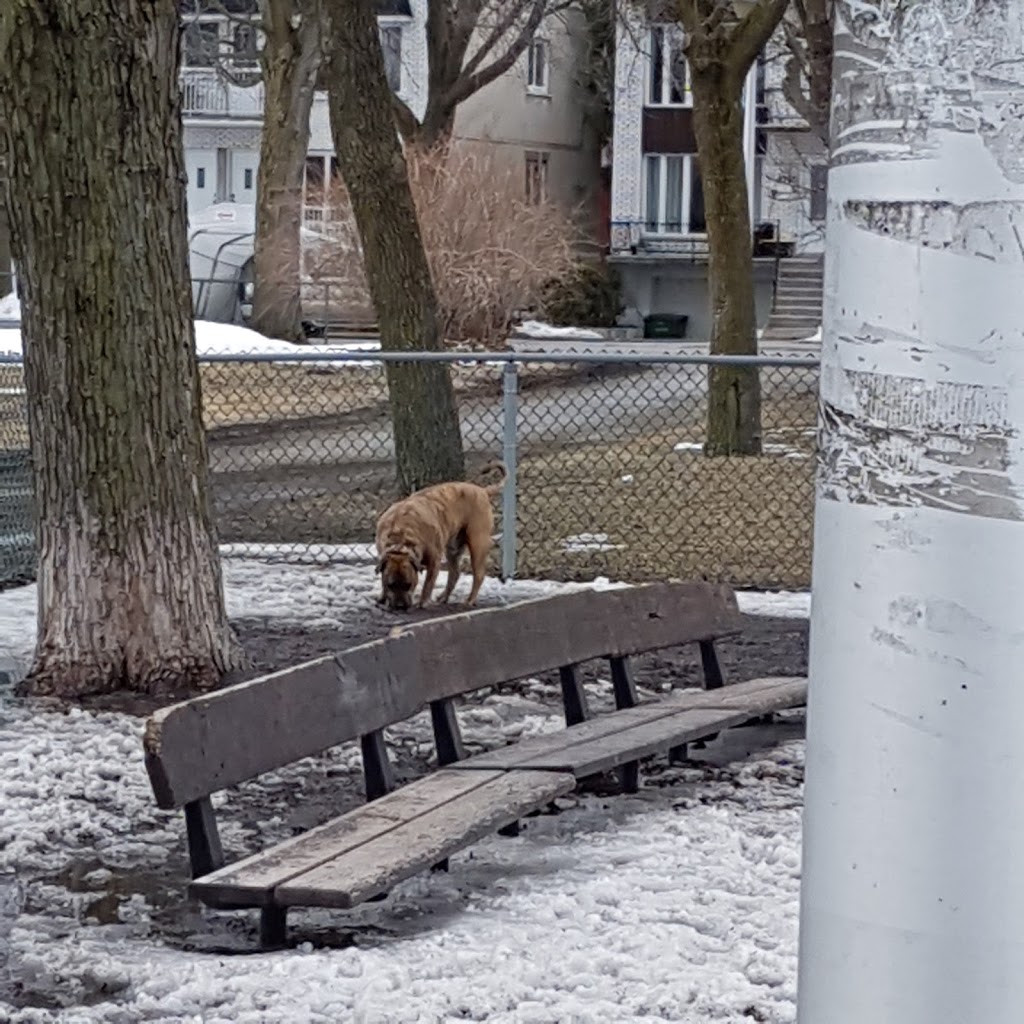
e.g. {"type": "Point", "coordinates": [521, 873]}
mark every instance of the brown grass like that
{"type": "Point", "coordinates": [681, 516]}
{"type": "Point", "coordinates": [664, 514]}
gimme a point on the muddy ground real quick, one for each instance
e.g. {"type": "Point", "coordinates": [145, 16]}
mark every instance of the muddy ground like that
{"type": "Point", "coordinates": [294, 799]}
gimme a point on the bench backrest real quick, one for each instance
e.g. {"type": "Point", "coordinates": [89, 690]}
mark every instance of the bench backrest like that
{"type": "Point", "coordinates": [208, 743]}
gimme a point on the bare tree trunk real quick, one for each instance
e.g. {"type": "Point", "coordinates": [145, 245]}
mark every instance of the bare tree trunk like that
{"type": "Point", "coordinates": [290, 61]}
{"type": "Point", "coordinates": [130, 589]}
{"type": "Point", "coordinates": [428, 442]}
{"type": "Point", "coordinates": [734, 392]}
{"type": "Point", "coordinates": [6, 282]}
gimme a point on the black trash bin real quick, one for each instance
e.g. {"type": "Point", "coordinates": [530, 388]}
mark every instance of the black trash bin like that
{"type": "Point", "coordinates": [665, 325]}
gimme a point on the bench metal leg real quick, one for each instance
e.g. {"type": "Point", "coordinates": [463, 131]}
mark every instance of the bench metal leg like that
{"type": "Point", "coordinates": [574, 699]}
{"type": "Point", "coordinates": [678, 754]}
{"type": "Point", "coordinates": [625, 697]}
{"type": "Point", "coordinates": [713, 679]}
{"type": "Point", "coordinates": [204, 849]}
{"type": "Point", "coordinates": [273, 927]}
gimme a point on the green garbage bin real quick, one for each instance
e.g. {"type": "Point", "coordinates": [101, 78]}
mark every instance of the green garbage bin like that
{"type": "Point", "coordinates": [665, 325]}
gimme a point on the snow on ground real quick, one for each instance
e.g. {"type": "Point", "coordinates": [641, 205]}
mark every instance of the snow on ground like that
{"type": "Point", "coordinates": [215, 339]}
{"type": "Point", "coordinates": [10, 307]}
{"type": "Point", "coordinates": [677, 904]}
{"type": "Point", "coordinates": [539, 329]}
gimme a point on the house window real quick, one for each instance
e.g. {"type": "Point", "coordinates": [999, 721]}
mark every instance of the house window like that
{"type": "Point", "coordinates": [673, 195]}
{"type": "Point", "coordinates": [247, 178]}
{"type": "Point", "coordinates": [200, 177]}
{"type": "Point", "coordinates": [536, 178]}
{"type": "Point", "coordinates": [246, 44]}
{"type": "Point", "coordinates": [391, 45]}
{"type": "Point", "coordinates": [201, 44]}
{"type": "Point", "coordinates": [819, 192]}
{"type": "Point", "coordinates": [537, 66]}
{"type": "Point", "coordinates": [668, 80]}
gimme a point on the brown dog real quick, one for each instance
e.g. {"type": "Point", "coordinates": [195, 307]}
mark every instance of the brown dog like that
{"type": "Point", "coordinates": [414, 534]}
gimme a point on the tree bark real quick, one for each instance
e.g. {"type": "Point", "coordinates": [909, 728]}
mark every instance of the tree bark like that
{"type": "Point", "coordinates": [428, 442]}
{"type": "Point", "coordinates": [721, 48]}
{"type": "Point", "coordinates": [734, 392]}
{"type": "Point", "coordinates": [290, 61]}
{"type": "Point", "coordinates": [6, 281]}
{"type": "Point", "coordinates": [129, 584]}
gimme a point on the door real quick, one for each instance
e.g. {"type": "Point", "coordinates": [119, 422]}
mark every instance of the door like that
{"type": "Point", "coordinates": [201, 168]}
{"type": "Point", "coordinates": [244, 163]}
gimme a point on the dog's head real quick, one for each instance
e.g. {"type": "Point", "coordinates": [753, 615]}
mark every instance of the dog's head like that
{"type": "Point", "coordinates": [399, 569]}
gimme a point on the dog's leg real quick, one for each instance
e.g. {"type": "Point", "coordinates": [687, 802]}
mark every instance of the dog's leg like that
{"type": "Point", "coordinates": [478, 544]}
{"type": "Point", "coordinates": [428, 583]}
{"type": "Point", "coordinates": [452, 565]}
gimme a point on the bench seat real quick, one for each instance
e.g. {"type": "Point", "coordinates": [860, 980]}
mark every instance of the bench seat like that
{"type": "Point", "coordinates": [364, 853]}
{"type": "Point", "coordinates": [626, 736]}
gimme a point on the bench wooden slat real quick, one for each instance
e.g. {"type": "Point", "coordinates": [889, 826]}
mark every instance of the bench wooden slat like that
{"type": "Point", "coordinates": [642, 730]}
{"type": "Point", "coordinates": [251, 882]}
{"type": "Point", "coordinates": [643, 740]}
{"type": "Point", "coordinates": [381, 863]}
{"type": "Point", "coordinates": [209, 743]}
{"type": "Point", "coordinates": [466, 652]}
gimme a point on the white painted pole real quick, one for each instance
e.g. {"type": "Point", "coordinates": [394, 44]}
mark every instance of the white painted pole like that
{"type": "Point", "coordinates": [913, 879]}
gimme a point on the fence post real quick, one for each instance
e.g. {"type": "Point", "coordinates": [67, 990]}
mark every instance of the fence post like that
{"type": "Point", "coordinates": [509, 410]}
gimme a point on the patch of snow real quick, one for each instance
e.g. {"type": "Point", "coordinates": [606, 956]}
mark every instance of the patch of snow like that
{"type": "Point", "coordinates": [287, 583]}
{"type": "Point", "coordinates": [10, 307]}
{"type": "Point", "coordinates": [589, 542]}
{"type": "Point", "coordinates": [216, 339]}
{"type": "Point", "coordinates": [539, 329]}
{"type": "Point", "coordinates": [303, 554]}
{"type": "Point", "coordinates": [627, 479]}
{"type": "Point", "coordinates": [782, 604]}
{"type": "Point", "coordinates": [688, 446]}
{"type": "Point", "coordinates": [677, 904]}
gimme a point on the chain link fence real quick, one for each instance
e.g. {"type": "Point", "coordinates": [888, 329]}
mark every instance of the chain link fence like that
{"type": "Point", "coordinates": [608, 473]}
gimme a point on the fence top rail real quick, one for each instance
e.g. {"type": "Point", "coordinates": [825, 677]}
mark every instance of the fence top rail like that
{"type": "Point", "coordinates": [376, 356]}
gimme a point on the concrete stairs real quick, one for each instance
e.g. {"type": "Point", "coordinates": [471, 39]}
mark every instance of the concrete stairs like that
{"type": "Point", "coordinates": [796, 311]}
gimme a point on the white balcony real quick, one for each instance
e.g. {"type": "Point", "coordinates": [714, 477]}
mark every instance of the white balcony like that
{"type": "Point", "coordinates": [206, 93]}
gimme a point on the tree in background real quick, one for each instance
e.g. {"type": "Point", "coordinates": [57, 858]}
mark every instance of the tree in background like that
{"type": "Point", "coordinates": [807, 82]}
{"type": "Point", "coordinates": [722, 43]}
{"type": "Point", "coordinates": [290, 63]}
{"type": "Point", "coordinates": [470, 43]}
{"type": "Point", "coordinates": [130, 589]}
{"type": "Point", "coordinates": [428, 441]}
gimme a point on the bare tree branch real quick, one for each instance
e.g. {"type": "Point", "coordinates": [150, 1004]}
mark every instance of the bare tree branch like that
{"type": "Point", "coordinates": [752, 33]}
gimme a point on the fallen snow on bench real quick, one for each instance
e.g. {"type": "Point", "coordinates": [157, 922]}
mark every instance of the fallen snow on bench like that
{"type": "Point", "coordinates": [678, 904]}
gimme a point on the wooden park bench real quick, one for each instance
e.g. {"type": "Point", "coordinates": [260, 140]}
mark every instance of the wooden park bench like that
{"type": "Point", "coordinates": [209, 743]}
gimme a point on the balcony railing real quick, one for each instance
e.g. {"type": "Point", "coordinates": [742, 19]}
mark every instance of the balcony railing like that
{"type": "Point", "coordinates": [206, 93]}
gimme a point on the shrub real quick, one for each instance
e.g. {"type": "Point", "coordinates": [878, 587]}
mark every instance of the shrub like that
{"type": "Point", "coordinates": [491, 252]}
{"type": "Point", "coordinates": [590, 296]}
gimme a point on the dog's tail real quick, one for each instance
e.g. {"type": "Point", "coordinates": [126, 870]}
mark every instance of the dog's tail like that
{"type": "Point", "coordinates": [499, 485]}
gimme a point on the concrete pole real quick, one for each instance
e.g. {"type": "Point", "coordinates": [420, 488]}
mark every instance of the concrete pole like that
{"type": "Point", "coordinates": [913, 880]}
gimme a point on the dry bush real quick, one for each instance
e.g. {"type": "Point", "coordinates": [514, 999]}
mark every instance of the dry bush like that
{"type": "Point", "coordinates": [491, 251]}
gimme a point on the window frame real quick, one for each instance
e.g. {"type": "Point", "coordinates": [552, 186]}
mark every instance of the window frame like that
{"type": "Point", "coordinates": [656, 228]}
{"type": "Point", "coordinates": [538, 86]}
{"type": "Point", "coordinates": [817, 206]}
{"type": "Point", "coordinates": [662, 40]}
{"type": "Point", "coordinates": [538, 170]}
{"type": "Point", "coordinates": [394, 30]}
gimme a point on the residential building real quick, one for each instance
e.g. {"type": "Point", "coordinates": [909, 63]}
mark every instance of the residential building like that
{"type": "Point", "coordinates": [222, 101]}
{"type": "Point", "coordinates": [658, 233]}
{"type": "Point", "coordinates": [531, 117]}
